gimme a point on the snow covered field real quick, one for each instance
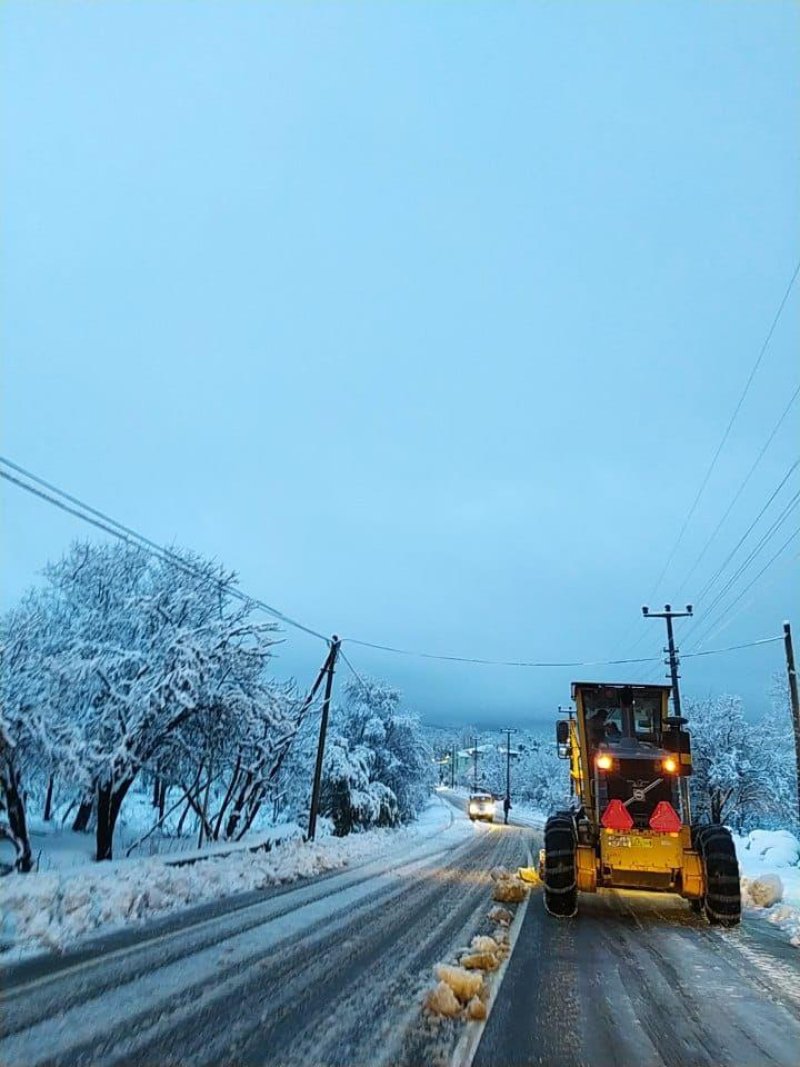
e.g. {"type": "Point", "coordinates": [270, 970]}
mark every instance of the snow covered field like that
{"type": "Point", "coordinates": [769, 861]}
{"type": "Point", "coordinates": [54, 908]}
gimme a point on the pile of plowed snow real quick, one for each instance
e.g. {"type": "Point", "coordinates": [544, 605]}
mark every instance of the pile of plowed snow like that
{"type": "Point", "coordinates": [53, 909]}
{"type": "Point", "coordinates": [461, 990]}
{"type": "Point", "coordinates": [769, 862]}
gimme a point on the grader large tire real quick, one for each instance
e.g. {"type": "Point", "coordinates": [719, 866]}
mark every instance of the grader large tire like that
{"type": "Point", "coordinates": [560, 874]}
{"type": "Point", "coordinates": [722, 904]}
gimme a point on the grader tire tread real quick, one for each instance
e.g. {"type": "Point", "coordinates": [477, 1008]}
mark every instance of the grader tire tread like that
{"type": "Point", "coordinates": [560, 874]}
{"type": "Point", "coordinates": [722, 904]}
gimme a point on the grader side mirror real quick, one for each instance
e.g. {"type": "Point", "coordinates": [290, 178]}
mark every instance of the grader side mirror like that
{"type": "Point", "coordinates": [562, 738]}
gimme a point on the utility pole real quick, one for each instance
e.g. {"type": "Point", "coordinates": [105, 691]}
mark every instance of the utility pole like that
{"type": "Point", "coordinates": [453, 770]}
{"type": "Point", "coordinates": [673, 660]}
{"type": "Point", "coordinates": [475, 769]}
{"type": "Point", "coordinates": [328, 668]}
{"type": "Point", "coordinates": [791, 671]}
{"type": "Point", "coordinates": [507, 802]}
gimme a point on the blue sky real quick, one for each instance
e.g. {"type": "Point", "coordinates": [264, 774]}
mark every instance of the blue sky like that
{"type": "Point", "coordinates": [425, 317]}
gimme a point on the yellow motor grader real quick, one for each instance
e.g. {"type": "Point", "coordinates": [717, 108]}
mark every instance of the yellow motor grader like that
{"type": "Point", "coordinates": [630, 824]}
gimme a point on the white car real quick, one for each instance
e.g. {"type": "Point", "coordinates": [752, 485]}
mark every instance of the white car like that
{"type": "Point", "coordinates": [481, 806]}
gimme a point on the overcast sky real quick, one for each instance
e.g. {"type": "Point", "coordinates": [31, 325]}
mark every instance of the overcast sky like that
{"type": "Point", "coordinates": [427, 318]}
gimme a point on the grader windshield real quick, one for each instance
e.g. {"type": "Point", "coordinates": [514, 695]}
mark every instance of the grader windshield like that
{"type": "Point", "coordinates": [614, 712]}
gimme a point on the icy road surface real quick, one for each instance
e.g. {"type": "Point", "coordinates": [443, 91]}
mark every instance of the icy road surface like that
{"type": "Point", "coordinates": [333, 971]}
{"type": "Point", "coordinates": [638, 979]}
{"type": "Point", "coordinates": [329, 972]}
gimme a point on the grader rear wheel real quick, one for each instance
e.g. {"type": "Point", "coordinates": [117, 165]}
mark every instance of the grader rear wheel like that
{"type": "Point", "coordinates": [560, 874]}
{"type": "Point", "coordinates": [722, 904]}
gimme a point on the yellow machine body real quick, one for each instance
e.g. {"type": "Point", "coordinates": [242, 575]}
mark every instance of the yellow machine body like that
{"type": "Point", "coordinates": [637, 857]}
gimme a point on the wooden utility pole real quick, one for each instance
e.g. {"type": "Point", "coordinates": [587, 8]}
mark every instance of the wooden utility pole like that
{"type": "Point", "coordinates": [671, 650]}
{"type": "Point", "coordinates": [795, 703]}
{"type": "Point", "coordinates": [328, 668]}
{"type": "Point", "coordinates": [507, 802]}
{"type": "Point", "coordinates": [475, 769]}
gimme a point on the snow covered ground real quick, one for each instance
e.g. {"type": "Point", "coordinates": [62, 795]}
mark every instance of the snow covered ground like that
{"type": "Point", "coordinates": [54, 908]}
{"type": "Point", "coordinates": [769, 861]}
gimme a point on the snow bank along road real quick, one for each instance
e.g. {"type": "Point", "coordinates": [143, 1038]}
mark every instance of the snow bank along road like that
{"type": "Point", "coordinates": [332, 971]}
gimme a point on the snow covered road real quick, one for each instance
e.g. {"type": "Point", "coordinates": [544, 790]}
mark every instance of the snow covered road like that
{"type": "Point", "coordinates": [638, 979]}
{"type": "Point", "coordinates": [331, 971]}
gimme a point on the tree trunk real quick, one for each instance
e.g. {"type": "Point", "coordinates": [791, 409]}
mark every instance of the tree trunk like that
{"type": "Point", "coordinates": [162, 799]}
{"type": "Point", "coordinates": [156, 790]}
{"type": "Point", "coordinates": [109, 801]}
{"type": "Point", "coordinates": [80, 823]}
{"type": "Point", "coordinates": [15, 808]}
{"type": "Point", "coordinates": [253, 807]}
{"type": "Point", "coordinates": [48, 800]}
{"type": "Point", "coordinates": [238, 807]}
{"type": "Point", "coordinates": [227, 799]}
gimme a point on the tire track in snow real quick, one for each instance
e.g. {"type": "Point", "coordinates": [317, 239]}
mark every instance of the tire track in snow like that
{"type": "Point", "coordinates": [324, 997]}
{"type": "Point", "coordinates": [190, 999]}
{"type": "Point", "coordinates": [27, 1003]}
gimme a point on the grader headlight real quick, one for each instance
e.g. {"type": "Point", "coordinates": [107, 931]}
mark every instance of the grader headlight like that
{"type": "Point", "coordinates": [604, 762]}
{"type": "Point", "coordinates": [669, 765]}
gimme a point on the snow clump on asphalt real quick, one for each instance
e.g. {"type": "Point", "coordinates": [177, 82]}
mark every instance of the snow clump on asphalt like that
{"type": "Point", "coordinates": [465, 985]}
{"type": "Point", "coordinates": [508, 887]}
{"type": "Point", "coordinates": [501, 916]}
{"type": "Point", "coordinates": [441, 1000]}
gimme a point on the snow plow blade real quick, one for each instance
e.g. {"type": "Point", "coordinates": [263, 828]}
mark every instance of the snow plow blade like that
{"type": "Point", "coordinates": [530, 875]}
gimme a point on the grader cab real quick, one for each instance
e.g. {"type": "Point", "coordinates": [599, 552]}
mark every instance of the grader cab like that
{"type": "Point", "coordinates": [630, 823]}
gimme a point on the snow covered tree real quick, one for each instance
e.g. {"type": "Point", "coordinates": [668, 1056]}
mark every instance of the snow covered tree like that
{"type": "Point", "coordinates": [742, 769]}
{"type": "Point", "coordinates": [137, 658]}
{"type": "Point", "coordinates": [378, 769]}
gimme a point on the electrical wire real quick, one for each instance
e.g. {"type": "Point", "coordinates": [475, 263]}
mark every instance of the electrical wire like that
{"type": "Point", "coordinates": [757, 549]}
{"type": "Point", "coordinates": [104, 522]}
{"type": "Point", "coordinates": [109, 525]}
{"type": "Point", "coordinates": [749, 586]}
{"type": "Point", "coordinates": [710, 583]}
{"type": "Point", "coordinates": [739, 491]}
{"type": "Point", "coordinates": [726, 619]}
{"type": "Point", "coordinates": [527, 663]}
{"type": "Point", "coordinates": [726, 434]}
{"type": "Point", "coordinates": [354, 672]}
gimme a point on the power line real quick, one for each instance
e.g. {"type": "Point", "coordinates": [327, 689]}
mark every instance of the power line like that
{"type": "Point", "coordinates": [754, 553]}
{"type": "Point", "coordinates": [726, 434]}
{"type": "Point", "coordinates": [749, 586]}
{"type": "Point", "coordinates": [732, 648]}
{"type": "Point", "coordinates": [711, 582]}
{"type": "Point", "coordinates": [740, 490]}
{"type": "Point", "coordinates": [527, 663]}
{"type": "Point", "coordinates": [723, 621]}
{"type": "Point", "coordinates": [757, 548]}
{"type": "Point", "coordinates": [109, 525]}
{"type": "Point", "coordinates": [354, 672]}
{"type": "Point", "coordinates": [485, 662]}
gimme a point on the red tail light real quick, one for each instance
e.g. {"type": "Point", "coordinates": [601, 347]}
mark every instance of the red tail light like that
{"type": "Point", "coordinates": [616, 816]}
{"type": "Point", "coordinates": [665, 819]}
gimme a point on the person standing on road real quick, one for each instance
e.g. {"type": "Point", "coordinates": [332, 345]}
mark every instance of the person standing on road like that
{"type": "Point", "coordinates": [506, 808]}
